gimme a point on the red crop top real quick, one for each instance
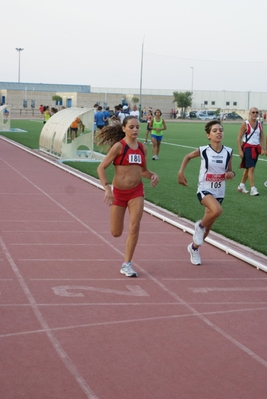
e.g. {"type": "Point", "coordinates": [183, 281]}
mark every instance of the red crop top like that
{"type": "Point", "coordinates": [128, 156]}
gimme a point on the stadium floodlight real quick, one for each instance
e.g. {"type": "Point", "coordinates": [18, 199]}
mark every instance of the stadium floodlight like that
{"type": "Point", "coordinates": [19, 49]}
{"type": "Point", "coordinates": [192, 85]}
{"type": "Point", "coordinates": [141, 79]}
{"type": "Point", "coordinates": [192, 81]}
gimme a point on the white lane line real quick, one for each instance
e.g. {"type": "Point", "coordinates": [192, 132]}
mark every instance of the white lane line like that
{"type": "Point", "coordinates": [205, 290]}
{"type": "Point", "coordinates": [55, 343]}
{"type": "Point", "coordinates": [138, 320]}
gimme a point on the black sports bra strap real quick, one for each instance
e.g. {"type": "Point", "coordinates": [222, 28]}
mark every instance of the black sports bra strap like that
{"type": "Point", "coordinates": [126, 148]}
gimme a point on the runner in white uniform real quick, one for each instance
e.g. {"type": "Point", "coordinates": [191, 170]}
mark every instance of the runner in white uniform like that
{"type": "Point", "coordinates": [215, 168]}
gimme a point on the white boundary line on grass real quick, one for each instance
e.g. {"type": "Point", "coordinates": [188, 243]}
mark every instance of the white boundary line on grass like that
{"type": "Point", "coordinates": [227, 249]}
{"type": "Point", "coordinates": [193, 148]}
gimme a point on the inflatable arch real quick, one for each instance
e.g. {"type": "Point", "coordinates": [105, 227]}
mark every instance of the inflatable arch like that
{"type": "Point", "coordinates": [55, 135]}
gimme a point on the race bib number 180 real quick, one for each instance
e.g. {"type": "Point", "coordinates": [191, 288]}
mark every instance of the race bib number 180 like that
{"type": "Point", "coordinates": [135, 158]}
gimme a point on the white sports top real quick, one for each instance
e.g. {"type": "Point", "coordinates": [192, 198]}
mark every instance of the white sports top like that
{"type": "Point", "coordinates": [255, 138]}
{"type": "Point", "coordinates": [212, 171]}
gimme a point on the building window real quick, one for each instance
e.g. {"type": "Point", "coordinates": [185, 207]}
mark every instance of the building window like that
{"type": "Point", "coordinates": [213, 103]}
{"type": "Point", "coordinates": [206, 102]}
{"type": "Point", "coordinates": [235, 103]}
{"type": "Point", "coordinates": [227, 102]}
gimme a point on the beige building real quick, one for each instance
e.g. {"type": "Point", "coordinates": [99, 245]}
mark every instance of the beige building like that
{"type": "Point", "coordinates": [25, 98]}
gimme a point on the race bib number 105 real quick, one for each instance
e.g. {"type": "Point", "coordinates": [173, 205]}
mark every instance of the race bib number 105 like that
{"type": "Point", "coordinates": [215, 180]}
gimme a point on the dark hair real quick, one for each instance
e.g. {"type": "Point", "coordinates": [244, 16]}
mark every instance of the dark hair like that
{"type": "Point", "coordinates": [99, 108]}
{"type": "Point", "coordinates": [111, 134]}
{"type": "Point", "coordinates": [156, 111]}
{"type": "Point", "coordinates": [209, 125]}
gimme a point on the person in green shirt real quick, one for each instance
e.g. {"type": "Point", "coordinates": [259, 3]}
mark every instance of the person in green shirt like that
{"type": "Point", "coordinates": [157, 126]}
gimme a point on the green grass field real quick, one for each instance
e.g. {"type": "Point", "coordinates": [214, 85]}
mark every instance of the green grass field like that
{"type": "Point", "coordinates": [243, 219]}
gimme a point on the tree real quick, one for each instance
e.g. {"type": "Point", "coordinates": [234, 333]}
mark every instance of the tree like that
{"type": "Point", "coordinates": [183, 100]}
{"type": "Point", "coordinates": [135, 100]}
{"type": "Point", "coordinates": [57, 99]}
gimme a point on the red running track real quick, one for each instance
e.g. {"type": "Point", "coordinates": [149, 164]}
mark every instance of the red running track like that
{"type": "Point", "coordinates": [72, 327]}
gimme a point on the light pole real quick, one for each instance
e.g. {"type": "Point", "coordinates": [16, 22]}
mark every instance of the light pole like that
{"type": "Point", "coordinates": [19, 50]}
{"type": "Point", "coordinates": [192, 84]}
{"type": "Point", "coordinates": [192, 81]}
{"type": "Point", "coordinates": [141, 78]}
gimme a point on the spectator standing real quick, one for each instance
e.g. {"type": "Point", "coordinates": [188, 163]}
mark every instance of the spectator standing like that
{"type": "Point", "coordinates": [124, 112]}
{"type": "Point", "coordinates": [95, 111]}
{"type": "Point", "coordinates": [115, 118]}
{"type": "Point", "coordinates": [144, 112]}
{"type": "Point", "coordinates": [250, 143]}
{"type": "Point", "coordinates": [41, 109]}
{"type": "Point", "coordinates": [99, 118]}
{"type": "Point", "coordinates": [53, 111]}
{"type": "Point", "coordinates": [46, 113]}
{"type": "Point", "coordinates": [135, 112]}
{"type": "Point", "coordinates": [148, 126]}
{"type": "Point", "coordinates": [74, 128]}
{"type": "Point", "coordinates": [106, 116]}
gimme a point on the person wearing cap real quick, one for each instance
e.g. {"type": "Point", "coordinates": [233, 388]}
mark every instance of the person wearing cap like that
{"type": "Point", "coordinates": [124, 112]}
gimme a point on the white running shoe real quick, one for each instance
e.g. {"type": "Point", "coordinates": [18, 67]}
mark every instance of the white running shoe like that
{"type": "Point", "coordinates": [242, 189]}
{"type": "Point", "coordinates": [265, 183]}
{"type": "Point", "coordinates": [194, 255]}
{"type": "Point", "coordinates": [198, 236]}
{"type": "Point", "coordinates": [254, 191]}
{"type": "Point", "coordinates": [154, 157]}
{"type": "Point", "coordinates": [127, 269]}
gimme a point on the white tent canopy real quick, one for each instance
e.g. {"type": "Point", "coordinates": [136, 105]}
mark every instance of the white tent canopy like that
{"type": "Point", "coordinates": [54, 135]}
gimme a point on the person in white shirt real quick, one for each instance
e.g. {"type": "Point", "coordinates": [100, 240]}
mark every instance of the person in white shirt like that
{"type": "Point", "coordinates": [250, 142]}
{"type": "Point", "coordinates": [135, 112]}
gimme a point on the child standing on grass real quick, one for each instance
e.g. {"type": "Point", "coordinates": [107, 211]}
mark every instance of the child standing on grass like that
{"type": "Point", "coordinates": [158, 125]}
{"type": "Point", "coordinates": [215, 168]}
{"type": "Point", "coordinates": [129, 159]}
{"type": "Point", "coordinates": [148, 127]}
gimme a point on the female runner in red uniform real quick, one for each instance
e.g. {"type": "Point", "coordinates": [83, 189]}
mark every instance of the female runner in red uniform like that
{"type": "Point", "coordinates": [129, 159]}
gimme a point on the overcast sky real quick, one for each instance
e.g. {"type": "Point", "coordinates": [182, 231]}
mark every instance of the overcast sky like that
{"type": "Point", "coordinates": [199, 44]}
